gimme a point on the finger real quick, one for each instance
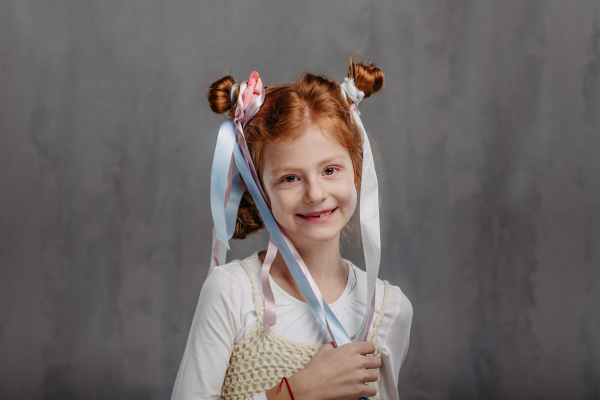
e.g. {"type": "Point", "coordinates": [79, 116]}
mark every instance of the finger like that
{"type": "Point", "coordinates": [372, 362]}
{"type": "Point", "coordinates": [365, 347]}
{"type": "Point", "coordinates": [370, 376]}
{"type": "Point", "coordinates": [326, 347]}
{"type": "Point", "coordinates": [366, 390]}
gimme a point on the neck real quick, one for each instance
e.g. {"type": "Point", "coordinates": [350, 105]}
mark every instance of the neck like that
{"type": "Point", "coordinates": [323, 261]}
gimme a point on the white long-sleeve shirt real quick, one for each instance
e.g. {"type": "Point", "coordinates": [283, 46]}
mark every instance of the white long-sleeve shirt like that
{"type": "Point", "coordinates": [225, 315]}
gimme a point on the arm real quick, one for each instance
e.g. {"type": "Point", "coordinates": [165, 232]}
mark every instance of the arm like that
{"type": "Point", "coordinates": [211, 339]}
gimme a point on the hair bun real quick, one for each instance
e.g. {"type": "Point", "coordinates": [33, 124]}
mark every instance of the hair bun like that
{"type": "Point", "coordinates": [249, 220]}
{"type": "Point", "coordinates": [219, 95]}
{"type": "Point", "coordinates": [367, 77]}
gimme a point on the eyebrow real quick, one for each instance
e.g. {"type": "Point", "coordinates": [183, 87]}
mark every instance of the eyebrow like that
{"type": "Point", "coordinates": [328, 160]}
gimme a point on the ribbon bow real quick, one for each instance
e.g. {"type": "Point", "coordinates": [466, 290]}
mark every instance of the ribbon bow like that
{"type": "Point", "coordinates": [349, 89]}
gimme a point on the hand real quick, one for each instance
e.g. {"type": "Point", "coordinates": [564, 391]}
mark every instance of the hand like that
{"type": "Point", "coordinates": [334, 374]}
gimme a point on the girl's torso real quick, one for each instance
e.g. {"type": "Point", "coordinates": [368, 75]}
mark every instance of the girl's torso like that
{"type": "Point", "coordinates": [261, 356]}
{"type": "Point", "coordinates": [230, 309]}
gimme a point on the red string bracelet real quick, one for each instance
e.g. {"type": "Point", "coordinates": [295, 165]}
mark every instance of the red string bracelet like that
{"type": "Point", "coordinates": [288, 385]}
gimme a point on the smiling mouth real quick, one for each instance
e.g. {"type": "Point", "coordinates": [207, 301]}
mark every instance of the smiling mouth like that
{"type": "Point", "coordinates": [321, 214]}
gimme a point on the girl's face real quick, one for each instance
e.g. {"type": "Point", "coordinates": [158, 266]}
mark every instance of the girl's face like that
{"type": "Point", "coordinates": [310, 182]}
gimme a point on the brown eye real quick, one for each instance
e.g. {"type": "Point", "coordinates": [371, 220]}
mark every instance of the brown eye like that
{"type": "Point", "coordinates": [290, 179]}
{"type": "Point", "coordinates": [329, 171]}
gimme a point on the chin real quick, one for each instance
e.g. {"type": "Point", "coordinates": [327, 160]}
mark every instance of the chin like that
{"type": "Point", "coordinates": [318, 238]}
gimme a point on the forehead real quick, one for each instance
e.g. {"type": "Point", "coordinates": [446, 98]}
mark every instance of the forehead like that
{"type": "Point", "coordinates": [311, 148]}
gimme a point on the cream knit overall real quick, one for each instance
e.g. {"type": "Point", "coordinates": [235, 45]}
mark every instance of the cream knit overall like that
{"type": "Point", "coordinates": [261, 359]}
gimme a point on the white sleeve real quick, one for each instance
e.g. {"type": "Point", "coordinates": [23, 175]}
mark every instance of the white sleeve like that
{"type": "Point", "coordinates": [394, 333]}
{"type": "Point", "coordinates": [210, 343]}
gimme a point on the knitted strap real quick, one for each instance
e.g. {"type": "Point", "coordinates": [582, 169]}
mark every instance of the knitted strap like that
{"type": "Point", "coordinates": [379, 318]}
{"type": "Point", "coordinates": [257, 307]}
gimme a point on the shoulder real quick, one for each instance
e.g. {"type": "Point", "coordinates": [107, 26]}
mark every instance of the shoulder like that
{"type": "Point", "coordinates": [234, 273]}
{"type": "Point", "coordinates": [230, 283]}
{"type": "Point", "coordinates": [227, 301]}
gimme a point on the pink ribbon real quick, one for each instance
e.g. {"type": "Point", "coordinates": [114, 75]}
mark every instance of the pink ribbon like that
{"type": "Point", "coordinates": [253, 91]}
{"type": "Point", "coordinates": [242, 118]}
{"type": "Point", "coordinates": [251, 95]}
{"type": "Point", "coordinates": [270, 306]}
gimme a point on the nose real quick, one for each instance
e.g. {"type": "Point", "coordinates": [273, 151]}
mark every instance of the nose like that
{"type": "Point", "coordinates": [315, 192]}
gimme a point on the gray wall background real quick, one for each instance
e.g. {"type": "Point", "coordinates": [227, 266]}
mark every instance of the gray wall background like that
{"type": "Point", "coordinates": [489, 139]}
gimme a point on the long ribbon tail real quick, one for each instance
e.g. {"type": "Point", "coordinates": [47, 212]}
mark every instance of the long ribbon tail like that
{"type": "Point", "coordinates": [225, 196]}
{"type": "Point", "coordinates": [241, 120]}
{"type": "Point", "coordinates": [314, 299]}
{"type": "Point", "coordinates": [312, 284]}
{"type": "Point", "coordinates": [242, 145]}
{"type": "Point", "coordinates": [270, 306]}
{"type": "Point", "coordinates": [220, 181]}
{"type": "Point", "coordinates": [218, 252]}
{"type": "Point", "coordinates": [369, 225]}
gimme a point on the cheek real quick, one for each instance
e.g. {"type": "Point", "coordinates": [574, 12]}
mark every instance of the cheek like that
{"type": "Point", "coordinates": [347, 195]}
{"type": "Point", "coordinates": [352, 199]}
{"type": "Point", "coordinates": [282, 204]}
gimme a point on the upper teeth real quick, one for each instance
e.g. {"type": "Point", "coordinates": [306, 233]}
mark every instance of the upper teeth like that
{"type": "Point", "coordinates": [320, 215]}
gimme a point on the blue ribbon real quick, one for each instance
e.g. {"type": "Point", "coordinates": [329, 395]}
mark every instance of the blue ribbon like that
{"type": "Point", "coordinates": [224, 217]}
{"type": "Point", "coordinates": [226, 143]}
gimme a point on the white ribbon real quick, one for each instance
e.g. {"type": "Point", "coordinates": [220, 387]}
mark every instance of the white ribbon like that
{"type": "Point", "coordinates": [369, 208]}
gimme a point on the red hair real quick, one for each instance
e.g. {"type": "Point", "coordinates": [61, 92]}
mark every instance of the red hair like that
{"type": "Point", "coordinates": [287, 111]}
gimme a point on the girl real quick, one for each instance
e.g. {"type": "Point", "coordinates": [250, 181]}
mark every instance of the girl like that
{"type": "Point", "coordinates": [253, 328]}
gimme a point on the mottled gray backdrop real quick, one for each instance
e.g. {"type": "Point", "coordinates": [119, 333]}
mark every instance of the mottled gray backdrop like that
{"type": "Point", "coordinates": [488, 132]}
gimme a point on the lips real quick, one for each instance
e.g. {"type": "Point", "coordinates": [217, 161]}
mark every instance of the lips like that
{"type": "Point", "coordinates": [318, 214]}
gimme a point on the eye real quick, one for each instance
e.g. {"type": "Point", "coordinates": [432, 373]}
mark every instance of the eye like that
{"type": "Point", "coordinates": [290, 179]}
{"type": "Point", "coordinates": [329, 170]}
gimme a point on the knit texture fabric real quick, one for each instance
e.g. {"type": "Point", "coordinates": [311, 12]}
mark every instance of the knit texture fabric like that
{"type": "Point", "coordinates": [261, 359]}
